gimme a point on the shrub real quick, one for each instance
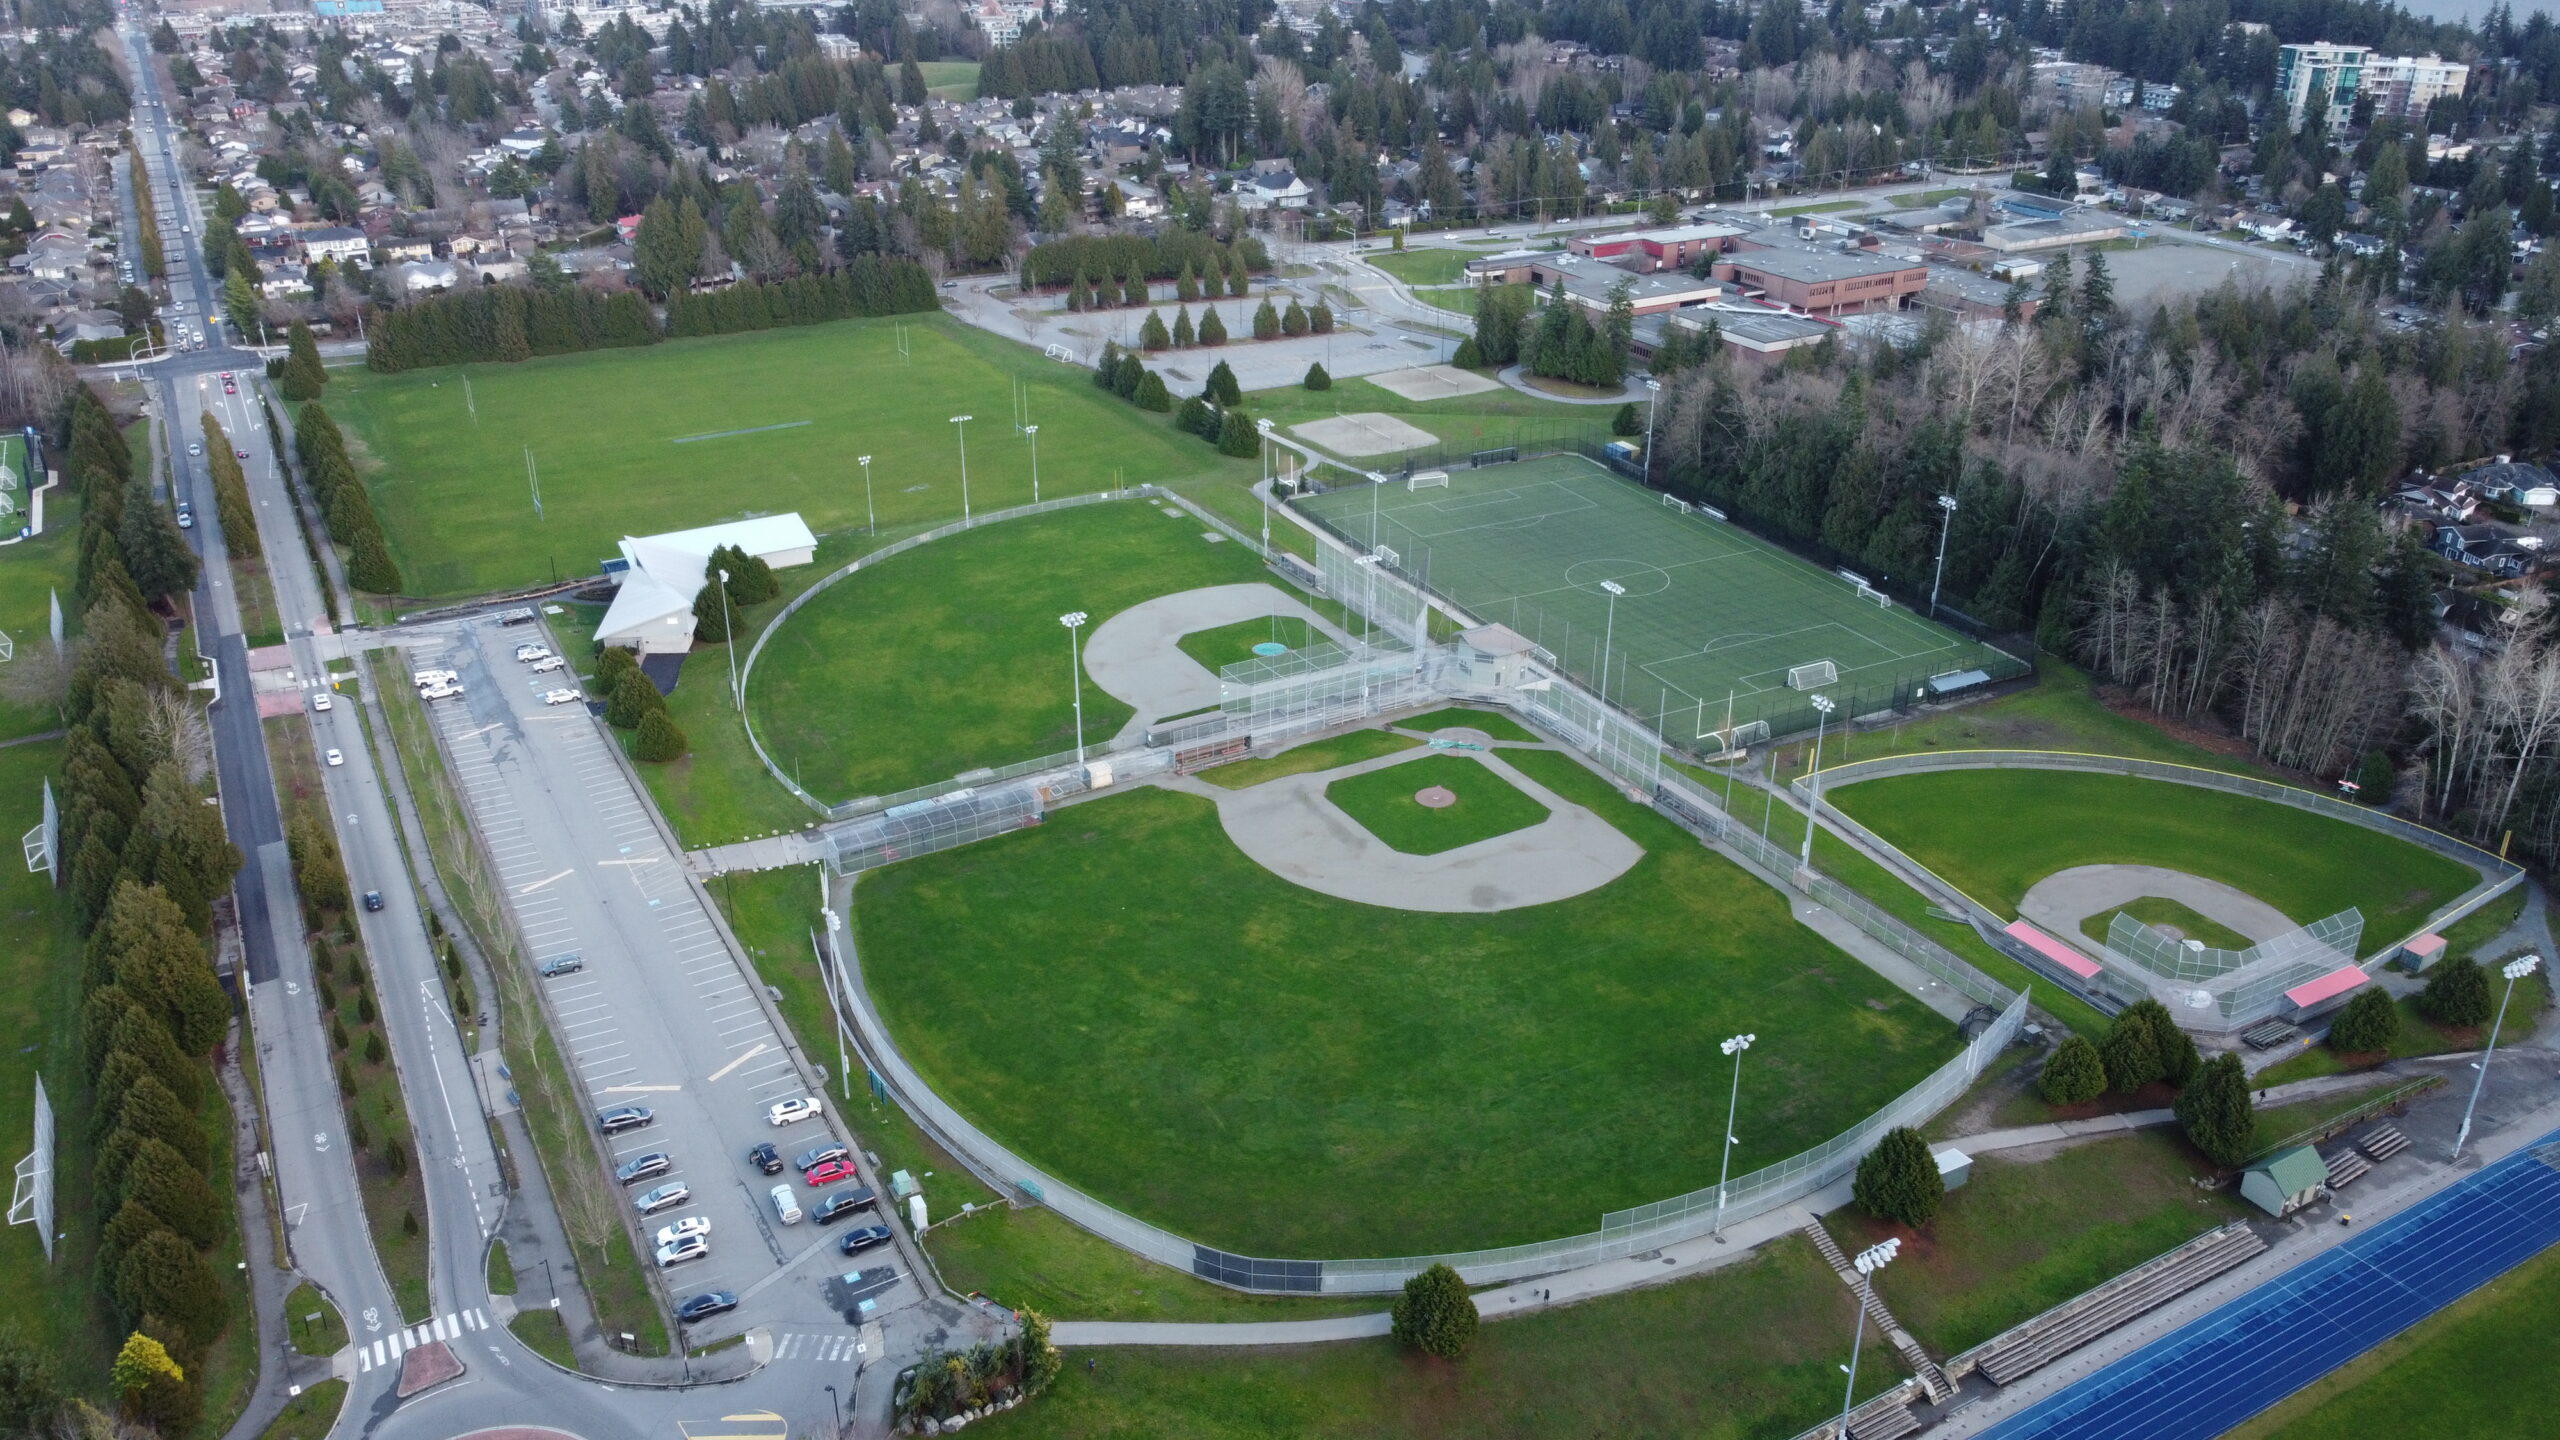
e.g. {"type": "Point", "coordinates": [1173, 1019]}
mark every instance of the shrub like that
{"type": "Point", "coordinates": [2457, 994]}
{"type": "Point", "coordinates": [1626, 421]}
{"type": "Point", "coordinates": [1266, 322]}
{"type": "Point", "coordinates": [1152, 395]}
{"type": "Point", "coordinates": [1183, 335]}
{"type": "Point", "coordinates": [373, 1048]}
{"type": "Point", "coordinates": [1293, 321]}
{"type": "Point", "coordinates": [2368, 1025]}
{"type": "Point", "coordinates": [1213, 331]}
{"type": "Point", "coordinates": [1320, 319]}
{"type": "Point", "coordinates": [2216, 1112]}
{"type": "Point", "coordinates": [1222, 388]}
{"type": "Point", "coordinates": [633, 698]}
{"type": "Point", "coordinates": [1468, 356]}
{"type": "Point", "coordinates": [1198, 417]}
{"type": "Point", "coordinates": [1899, 1180]}
{"type": "Point", "coordinates": [1317, 379]}
{"type": "Point", "coordinates": [2075, 1075]}
{"type": "Point", "coordinates": [659, 739]}
{"type": "Point", "coordinates": [1237, 437]}
{"type": "Point", "coordinates": [1152, 335]}
{"type": "Point", "coordinates": [1435, 1315]}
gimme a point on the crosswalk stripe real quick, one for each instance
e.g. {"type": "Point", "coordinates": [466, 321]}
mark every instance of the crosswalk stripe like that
{"type": "Point", "coordinates": [398, 1340]}
{"type": "Point", "coordinates": [444, 1327]}
{"type": "Point", "coordinates": [378, 1356]}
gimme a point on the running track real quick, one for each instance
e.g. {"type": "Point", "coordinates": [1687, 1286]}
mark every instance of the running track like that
{"type": "Point", "coordinates": [2217, 1371]}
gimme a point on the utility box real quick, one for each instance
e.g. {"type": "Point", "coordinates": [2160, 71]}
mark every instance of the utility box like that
{"type": "Point", "coordinates": [915, 1213]}
{"type": "Point", "coordinates": [1954, 1167]}
{"type": "Point", "coordinates": [1097, 776]}
{"type": "Point", "coordinates": [902, 1184]}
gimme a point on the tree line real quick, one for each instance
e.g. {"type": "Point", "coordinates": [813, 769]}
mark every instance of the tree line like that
{"type": "Point", "coordinates": [343, 501]}
{"type": "Point", "coordinates": [1119, 259]}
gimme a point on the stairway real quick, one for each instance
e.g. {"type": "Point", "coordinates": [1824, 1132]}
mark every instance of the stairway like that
{"type": "Point", "coordinates": [1917, 1359]}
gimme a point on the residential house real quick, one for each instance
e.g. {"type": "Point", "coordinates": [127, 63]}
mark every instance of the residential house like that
{"type": "Point", "coordinates": [343, 243]}
{"type": "Point", "coordinates": [2489, 547]}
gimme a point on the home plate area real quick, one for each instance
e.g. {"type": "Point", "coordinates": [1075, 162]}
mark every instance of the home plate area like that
{"type": "Point", "coordinates": [1365, 433]}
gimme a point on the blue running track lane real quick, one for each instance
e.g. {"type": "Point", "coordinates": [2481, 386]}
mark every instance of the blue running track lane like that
{"type": "Point", "coordinates": [2217, 1371]}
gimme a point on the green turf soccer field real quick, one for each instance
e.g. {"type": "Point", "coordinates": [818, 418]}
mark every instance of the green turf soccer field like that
{"type": "Point", "coordinates": [1708, 610]}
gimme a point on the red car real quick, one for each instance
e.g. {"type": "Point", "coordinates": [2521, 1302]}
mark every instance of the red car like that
{"type": "Point", "coordinates": [240, 454]}
{"type": "Point", "coordinates": [833, 1172]}
{"type": "Point", "coordinates": [230, 389]}
{"type": "Point", "coordinates": [226, 377]}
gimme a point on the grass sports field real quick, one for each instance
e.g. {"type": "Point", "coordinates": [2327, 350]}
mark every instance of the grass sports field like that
{"type": "Point", "coordinates": [1130, 1002]}
{"type": "Point", "coordinates": [692, 432]}
{"type": "Point", "coordinates": [1708, 610]}
{"type": "Point", "coordinates": [1485, 804]}
{"type": "Point", "coordinates": [949, 657]}
{"type": "Point", "coordinates": [1994, 833]}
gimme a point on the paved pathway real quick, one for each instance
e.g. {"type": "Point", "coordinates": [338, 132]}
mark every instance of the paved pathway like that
{"type": "Point", "coordinates": [1291, 829]}
{"type": "Point", "coordinates": [2061, 900]}
{"type": "Point", "coordinates": [1513, 376]}
{"type": "Point", "coordinates": [1134, 654]}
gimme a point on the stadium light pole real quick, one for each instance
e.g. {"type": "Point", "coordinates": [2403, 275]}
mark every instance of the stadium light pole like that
{"type": "Point", "coordinates": [729, 643]}
{"type": "Point", "coordinates": [1946, 522]}
{"type": "Point", "coordinates": [870, 515]}
{"type": "Point", "coordinates": [1609, 634]}
{"type": "Point", "coordinates": [1869, 1261]}
{"type": "Point", "coordinates": [1822, 706]}
{"type": "Point", "coordinates": [963, 422]}
{"type": "Point", "coordinates": [1733, 1047]}
{"type": "Point", "coordinates": [2514, 970]}
{"type": "Point", "coordinates": [1653, 396]}
{"type": "Point", "coordinates": [1034, 432]}
{"type": "Point", "coordinates": [1263, 427]}
{"type": "Point", "coordinates": [1074, 621]}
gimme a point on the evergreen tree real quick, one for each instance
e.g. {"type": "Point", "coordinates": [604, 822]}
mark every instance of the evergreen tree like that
{"type": "Point", "coordinates": [29, 1394]}
{"type": "Point", "coordinates": [1266, 322]}
{"type": "Point", "coordinates": [1151, 335]}
{"type": "Point", "coordinates": [1183, 335]}
{"type": "Point", "coordinates": [1186, 288]}
{"type": "Point", "coordinates": [1213, 331]}
{"type": "Point", "coordinates": [633, 699]}
{"type": "Point", "coordinates": [1320, 319]}
{"type": "Point", "coordinates": [304, 377]}
{"type": "Point", "coordinates": [1470, 356]}
{"type": "Point", "coordinates": [2369, 1024]}
{"type": "Point", "coordinates": [1899, 1180]}
{"type": "Point", "coordinates": [659, 739]}
{"type": "Point", "coordinates": [2457, 994]}
{"type": "Point", "coordinates": [1222, 388]}
{"type": "Point", "coordinates": [711, 615]}
{"type": "Point", "coordinates": [1237, 437]}
{"type": "Point", "coordinates": [1435, 1314]}
{"type": "Point", "coordinates": [1293, 321]}
{"type": "Point", "coordinates": [2216, 1110]}
{"type": "Point", "coordinates": [1626, 421]}
{"type": "Point", "coordinates": [162, 1276]}
{"type": "Point", "coordinates": [1152, 395]}
{"type": "Point", "coordinates": [155, 551]}
{"type": "Point", "coordinates": [1317, 379]}
{"type": "Point", "coordinates": [2074, 1075]}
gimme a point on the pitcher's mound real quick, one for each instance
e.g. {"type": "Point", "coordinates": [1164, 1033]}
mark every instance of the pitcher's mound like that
{"type": "Point", "coordinates": [1435, 797]}
{"type": "Point", "coordinates": [1366, 433]}
{"type": "Point", "coordinates": [1433, 382]}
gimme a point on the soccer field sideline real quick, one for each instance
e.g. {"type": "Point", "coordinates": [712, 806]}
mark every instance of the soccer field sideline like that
{"type": "Point", "coordinates": [1531, 544]}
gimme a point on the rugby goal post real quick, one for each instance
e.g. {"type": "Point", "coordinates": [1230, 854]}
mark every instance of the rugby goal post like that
{"type": "Point", "coordinates": [1426, 480]}
{"type": "Point", "coordinates": [1812, 676]}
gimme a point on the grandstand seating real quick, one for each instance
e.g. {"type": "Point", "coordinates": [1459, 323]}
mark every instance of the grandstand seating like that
{"type": "Point", "coordinates": [2068, 1326]}
{"type": "Point", "coordinates": [2382, 1142]}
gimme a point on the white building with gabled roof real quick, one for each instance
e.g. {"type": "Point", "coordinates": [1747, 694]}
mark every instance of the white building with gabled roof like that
{"type": "Point", "coordinates": [659, 575]}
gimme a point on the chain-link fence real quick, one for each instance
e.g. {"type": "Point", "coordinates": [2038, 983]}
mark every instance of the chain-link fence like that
{"type": "Point", "coordinates": [2223, 990]}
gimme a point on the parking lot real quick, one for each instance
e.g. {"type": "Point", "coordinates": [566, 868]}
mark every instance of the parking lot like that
{"type": "Point", "coordinates": [648, 1003]}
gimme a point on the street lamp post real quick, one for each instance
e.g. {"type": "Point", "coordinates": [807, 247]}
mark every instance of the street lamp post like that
{"type": "Point", "coordinates": [1946, 522]}
{"type": "Point", "coordinates": [838, 1407]}
{"type": "Point", "coordinates": [1822, 707]}
{"type": "Point", "coordinates": [1033, 431]}
{"type": "Point", "coordinates": [2514, 970]}
{"type": "Point", "coordinates": [1264, 428]}
{"type": "Point", "coordinates": [1733, 1047]}
{"type": "Point", "coordinates": [1609, 634]}
{"type": "Point", "coordinates": [1074, 621]}
{"type": "Point", "coordinates": [870, 515]}
{"type": "Point", "coordinates": [1653, 396]}
{"type": "Point", "coordinates": [1869, 1262]}
{"type": "Point", "coordinates": [729, 642]}
{"type": "Point", "coordinates": [963, 422]}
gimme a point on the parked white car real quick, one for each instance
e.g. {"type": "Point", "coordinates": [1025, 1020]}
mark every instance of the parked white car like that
{"type": "Point", "coordinates": [549, 663]}
{"type": "Point", "coordinates": [786, 1206]}
{"type": "Point", "coordinates": [691, 1247]}
{"type": "Point", "coordinates": [337, 757]}
{"type": "Point", "coordinates": [791, 1112]}
{"type": "Point", "coordinates": [320, 700]}
{"type": "Point", "coordinates": [559, 697]}
{"type": "Point", "coordinates": [533, 652]}
{"type": "Point", "coordinates": [688, 1226]}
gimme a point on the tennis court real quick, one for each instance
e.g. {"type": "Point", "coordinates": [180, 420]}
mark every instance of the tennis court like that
{"type": "Point", "coordinates": [2210, 1375]}
{"type": "Point", "coordinates": [1706, 612]}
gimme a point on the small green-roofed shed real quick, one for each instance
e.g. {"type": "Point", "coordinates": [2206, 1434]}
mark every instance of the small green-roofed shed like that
{"type": "Point", "coordinates": [2286, 1181]}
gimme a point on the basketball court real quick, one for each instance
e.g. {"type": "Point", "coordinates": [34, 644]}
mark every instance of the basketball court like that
{"type": "Point", "coordinates": [1703, 611]}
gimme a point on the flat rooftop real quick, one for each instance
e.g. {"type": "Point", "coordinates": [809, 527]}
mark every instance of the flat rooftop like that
{"type": "Point", "coordinates": [1816, 267]}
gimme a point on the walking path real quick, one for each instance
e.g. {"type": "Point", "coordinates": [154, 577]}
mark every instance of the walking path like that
{"type": "Point", "coordinates": [1517, 378]}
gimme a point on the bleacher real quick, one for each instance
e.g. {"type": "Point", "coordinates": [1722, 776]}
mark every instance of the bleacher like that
{"type": "Point", "coordinates": [2030, 1347]}
{"type": "Point", "coordinates": [2346, 1168]}
{"type": "Point", "coordinates": [2382, 1142]}
{"type": "Point", "coordinates": [2269, 1034]}
{"type": "Point", "coordinates": [1887, 1417]}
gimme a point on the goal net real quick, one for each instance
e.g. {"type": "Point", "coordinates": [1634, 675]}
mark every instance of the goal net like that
{"type": "Point", "coordinates": [1873, 596]}
{"type": "Point", "coordinates": [1813, 676]}
{"type": "Point", "coordinates": [1730, 739]}
{"type": "Point", "coordinates": [1674, 502]}
{"type": "Point", "coordinates": [1426, 480]}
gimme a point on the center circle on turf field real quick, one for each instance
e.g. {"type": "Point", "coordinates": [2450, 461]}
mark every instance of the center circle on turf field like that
{"type": "Point", "coordinates": [1435, 797]}
{"type": "Point", "coordinates": [1270, 647]}
{"type": "Point", "coordinates": [1639, 578]}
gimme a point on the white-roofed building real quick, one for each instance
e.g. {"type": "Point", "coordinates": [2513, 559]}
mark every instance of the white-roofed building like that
{"type": "Point", "coordinates": [652, 610]}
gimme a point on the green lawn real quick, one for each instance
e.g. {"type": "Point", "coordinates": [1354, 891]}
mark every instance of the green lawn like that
{"type": "Point", "coordinates": [1422, 267]}
{"type": "Point", "coordinates": [502, 1270]}
{"type": "Point", "coordinates": [2059, 712]}
{"type": "Point", "coordinates": [2279, 1123]}
{"type": "Point", "coordinates": [31, 572]}
{"type": "Point", "coordinates": [1994, 833]}
{"type": "Point", "coordinates": [2426, 1382]}
{"type": "Point", "coordinates": [1348, 748]}
{"type": "Point", "coordinates": [2023, 1236]}
{"type": "Point", "coordinates": [1034, 1259]}
{"type": "Point", "coordinates": [950, 657]}
{"type": "Point", "coordinates": [1481, 421]}
{"type": "Point", "coordinates": [310, 1415]}
{"type": "Point", "coordinates": [324, 1336]}
{"type": "Point", "coordinates": [1491, 722]}
{"type": "Point", "coordinates": [1384, 804]}
{"type": "Point", "coordinates": [2422, 1036]}
{"type": "Point", "coordinates": [542, 1330]}
{"type": "Point", "coordinates": [454, 498]}
{"type": "Point", "coordinates": [2160, 911]}
{"type": "Point", "coordinates": [1751, 1351]}
{"type": "Point", "coordinates": [951, 79]}
{"type": "Point", "coordinates": [1260, 1067]}
{"type": "Point", "coordinates": [1227, 645]}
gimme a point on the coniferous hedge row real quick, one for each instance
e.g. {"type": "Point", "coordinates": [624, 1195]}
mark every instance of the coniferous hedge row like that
{"type": "Point", "coordinates": [343, 502]}
{"type": "Point", "coordinates": [1123, 258]}
{"type": "Point", "coordinates": [867, 285]}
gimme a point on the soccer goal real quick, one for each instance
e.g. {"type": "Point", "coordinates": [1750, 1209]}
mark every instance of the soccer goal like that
{"type": "Point", "coordinates": [1503, 456]}
{"type": "Point", "coordinates": [1426, 480]}
{"type": "Point", "coordinates": [1060, 353]}
{"type": "Point", "coordinates": [1873, 595]}
{"type": "Point", "coordinates": [1738, 737]}
{"type": "Point", "coordinates": [1812, 676]}
{"type": "Point", "coordinates": [1674, 502]}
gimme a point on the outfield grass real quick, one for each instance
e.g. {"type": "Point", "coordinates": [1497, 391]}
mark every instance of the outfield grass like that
{"type": "Point", "coordinates": [2061, 711]}
{"type": "Point", "coordinates": [1492, 722]}
{"type": "Point", "coordinates": [1034, 1259]}
{"type": "Point", "coordinates": [324, 1336]}
{"type": "Point", "coordinates": [1348, 748]}
{"type": "Point", "coordinates": [1422, 267]}
{"type": "Point", "coordinates": [1261, 1067]}
{"type": "Point", "coordinates": [1227, 645]}
{"type": "Point", "coordinates": [453, 495]}
{"type": "Point", "coordinates": [950, 657]}
{"type": "Point", "coordinates": [1483, 421]}
{"type": "Point", "coordinates": [1751, 1351]}
{"type": "Point", "coordinates": [2426, 1383]}
{"type": "Point", "coordinates": [2160, 911]}
{"type": "Point", "coordinates": [2022, 1236]}
{"type": "Point", "coordinates": [1384, 804]}
{"type": "Point", "coordinates": [1994, 833]}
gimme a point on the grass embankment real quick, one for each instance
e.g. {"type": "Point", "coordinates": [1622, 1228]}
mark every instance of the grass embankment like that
{"type": "Point", "coordinates": [617, 1288]}
{"type": "Point", "coordinates": [1492, 723]}
{"type": "Point", "coordinates": [2474, 937]}
{"type": "Point", "coordinates": [1034, 1258]}
{"type": "Point", "coordinates": [605, 427]}
{"type": "Point", "coordinates": [1215, 650]}
{"type": "Point", "coordinates": [2022, 1236]}
{"type": "Point", "coordinates": [1259, 1066]}
{"type": "Point", "coordinates": [32, 572]}
{"type": "Point", "coordinates": [1384, 803]}
{"type": "Point", "coordinates": [2163, 913]}
{"type": "Point", "coordinates": [945, 659]}
{"type": "Point", "coordinates": [2060, 712]}
{"type": "Point", "coordinates": [310, 1415]}
{"type": "Point", "coordinates": [387, 1160]}
{"type": "Point", "coordinates": [2280, 1123]}
{"type": "Point", "coordinates": [1994, 833]}
{"type": "Point", "coordinates": [1749, 1352]}
{"type": "Point", "coordinates": [2479, 1369]}
{"type": "Point", "coordinates": [324, 1335]}
{"type": "Point", "coordinates": [502, 1269]}
{"type": "Point", "coordinates": [1348, 748]}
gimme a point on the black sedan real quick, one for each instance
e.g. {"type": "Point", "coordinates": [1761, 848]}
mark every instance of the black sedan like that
{"type": "Point", "coordinates": [766, 1159]}
{"type": "Point", "coordinates": [857, 1241]}
{"type": "Point", "coordinates": [706, 1305]}
{"type": "Point", "coordinates": [842, 1203]}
